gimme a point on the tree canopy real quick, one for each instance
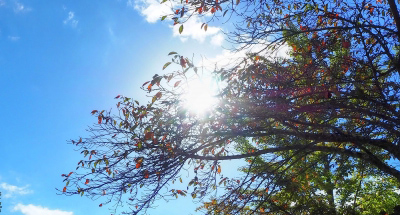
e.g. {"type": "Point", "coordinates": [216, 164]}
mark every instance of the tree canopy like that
{"type": "Point", "coordinates": [318, 130]}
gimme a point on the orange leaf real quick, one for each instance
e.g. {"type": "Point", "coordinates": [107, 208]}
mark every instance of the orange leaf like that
{"type": "Point", "coordinates": [266, 190]}
{"type": "Point", "coordinates": [137, 165]}
{"type": "Point", "coordinates": [213, 10]}
{"type": "Point", "coordinates": [94, 111]}
{"type": "Point", "coordinates": [100, 119]}
{"type": "Point", "coordinates": [65, 189]}
{"type": "Point", "coordinates": [87, 181]}
{"type": "Point", "coordinates": [219, 169]}
{"type": "Point", "coordinates": [149, 87]}
{"type": "Point", "coordinates": [262, 210]}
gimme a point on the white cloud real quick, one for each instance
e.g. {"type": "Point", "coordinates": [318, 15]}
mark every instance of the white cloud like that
{"type": "Point", "coordinates": [152, 10]}
{"type": "Point", "coordinates": [19, 7]}
{"type": "Point", "coordinates": [38, 210]}
{"type": "Point", "coordinates": [192, 29]}
{"type": "Point", "coordinates": [71, 20]}
{"type": "Point", "coordinates": [230, 59]}
{"type": "Point", "coordinates": [13, 38]}
{"type": "Point", "coordinates": [12, 190]}
{"type": "Point", "coordinates": [217, 39]}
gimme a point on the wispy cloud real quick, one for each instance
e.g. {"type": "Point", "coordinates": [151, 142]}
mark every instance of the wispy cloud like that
{"type": "Point", "coordinates": [38, 210]}
{"type": "Point", "coordinates": [13, 38]}
{"type": "Point", "coordinates": [12, 190]}
{"type": "Point", "coordinates": [20, 8]}
{"type": "Point", "coordinates": [71, 20]}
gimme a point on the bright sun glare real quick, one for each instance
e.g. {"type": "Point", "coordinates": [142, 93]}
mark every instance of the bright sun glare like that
{"type": "Point", "coordinates": [198, 97]}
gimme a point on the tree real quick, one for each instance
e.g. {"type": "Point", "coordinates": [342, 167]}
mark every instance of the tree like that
{"type": "Point", "coordinates": [330, 112]}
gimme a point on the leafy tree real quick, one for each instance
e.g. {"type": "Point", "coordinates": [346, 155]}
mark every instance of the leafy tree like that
{"type": "Point", "coordinates": [320, 130]}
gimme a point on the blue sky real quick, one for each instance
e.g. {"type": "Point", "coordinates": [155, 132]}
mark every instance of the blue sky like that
{"type": "Point", "coordinates": [61, 59]}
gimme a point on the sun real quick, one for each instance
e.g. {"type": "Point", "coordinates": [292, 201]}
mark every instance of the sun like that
{"type": "Point", "coordinates": [199, 96]}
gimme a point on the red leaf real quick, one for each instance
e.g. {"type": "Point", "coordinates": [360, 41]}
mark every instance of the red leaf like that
{"type": "Point", "coordinates": [177, 83]}
{"type": "Point", "coordinates": [87, 181]}
{"type": "Point", "coordinates": [146, 174]}
{"type": "Point", "coordinates": [346, 44]}
{"type": "Point", "coordinates": [70, 174]}
{"type": "Point", "coordinates": [65, 189]}
{"type": "Point", "coordinates": [100, 119]}
{"type": "Point", "coordinates": [100, 205]}
{"type": "Point", "coordinates": [94, 111]}
{"type": "Point", "coordinates": [183, 61]}
{"type": "Point", "coordinates": [117, 97]}
{"type": "Point", "coordinates": [114, 135]}
{"type": "Point", "coordinates": [137, 165]}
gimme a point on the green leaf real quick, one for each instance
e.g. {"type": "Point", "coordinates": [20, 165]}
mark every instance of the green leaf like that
{"type": "Point", "coordinates": [162, 18]}
{"type": "Point", "coordinates": [67, 183]}
{"type": "Point", "coordinates": [172, 53]}
{"type": "Point", "coordinates": [166, 65]}
{"type": "Point", "coordinates": [180, 29]}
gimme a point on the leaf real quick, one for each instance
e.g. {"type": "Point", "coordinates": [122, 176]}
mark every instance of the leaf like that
{"type": "Point", "coordinates": [172, 53]}
{"type": "Point", "coordinates": [87, 181]}
{"type": "Point", "coordinates": [117, 97]}
{"type": "Point", "coordinates": [180, 179]}
{"type": "Point", "coordinates": [219, 169]}
{"type": "Point", "coordinates": [100, 205]}
{"type": "Point", "coordinates": [149, 87]}
{"type": "Point", "coordinates": [165, 65]}
{"type": "Point", "coordinates": [237, 2]}
{"type": "Point", "coordinates": [205, 27]}
{"type": "Point", "coordinates": [225, 13]}
{"type": "Point", "coordinates": [94, 111]}
{"type": "Point", "coordinates": [162, 18]}
{"type": "Point", "coordinates": [65, 189]}
{"type": "Point", "coordinates": [180, 29]}
{"type": "Point", "coordinates": [177, 83]}
{"type": "Point", "coordinates": [138, 165]}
